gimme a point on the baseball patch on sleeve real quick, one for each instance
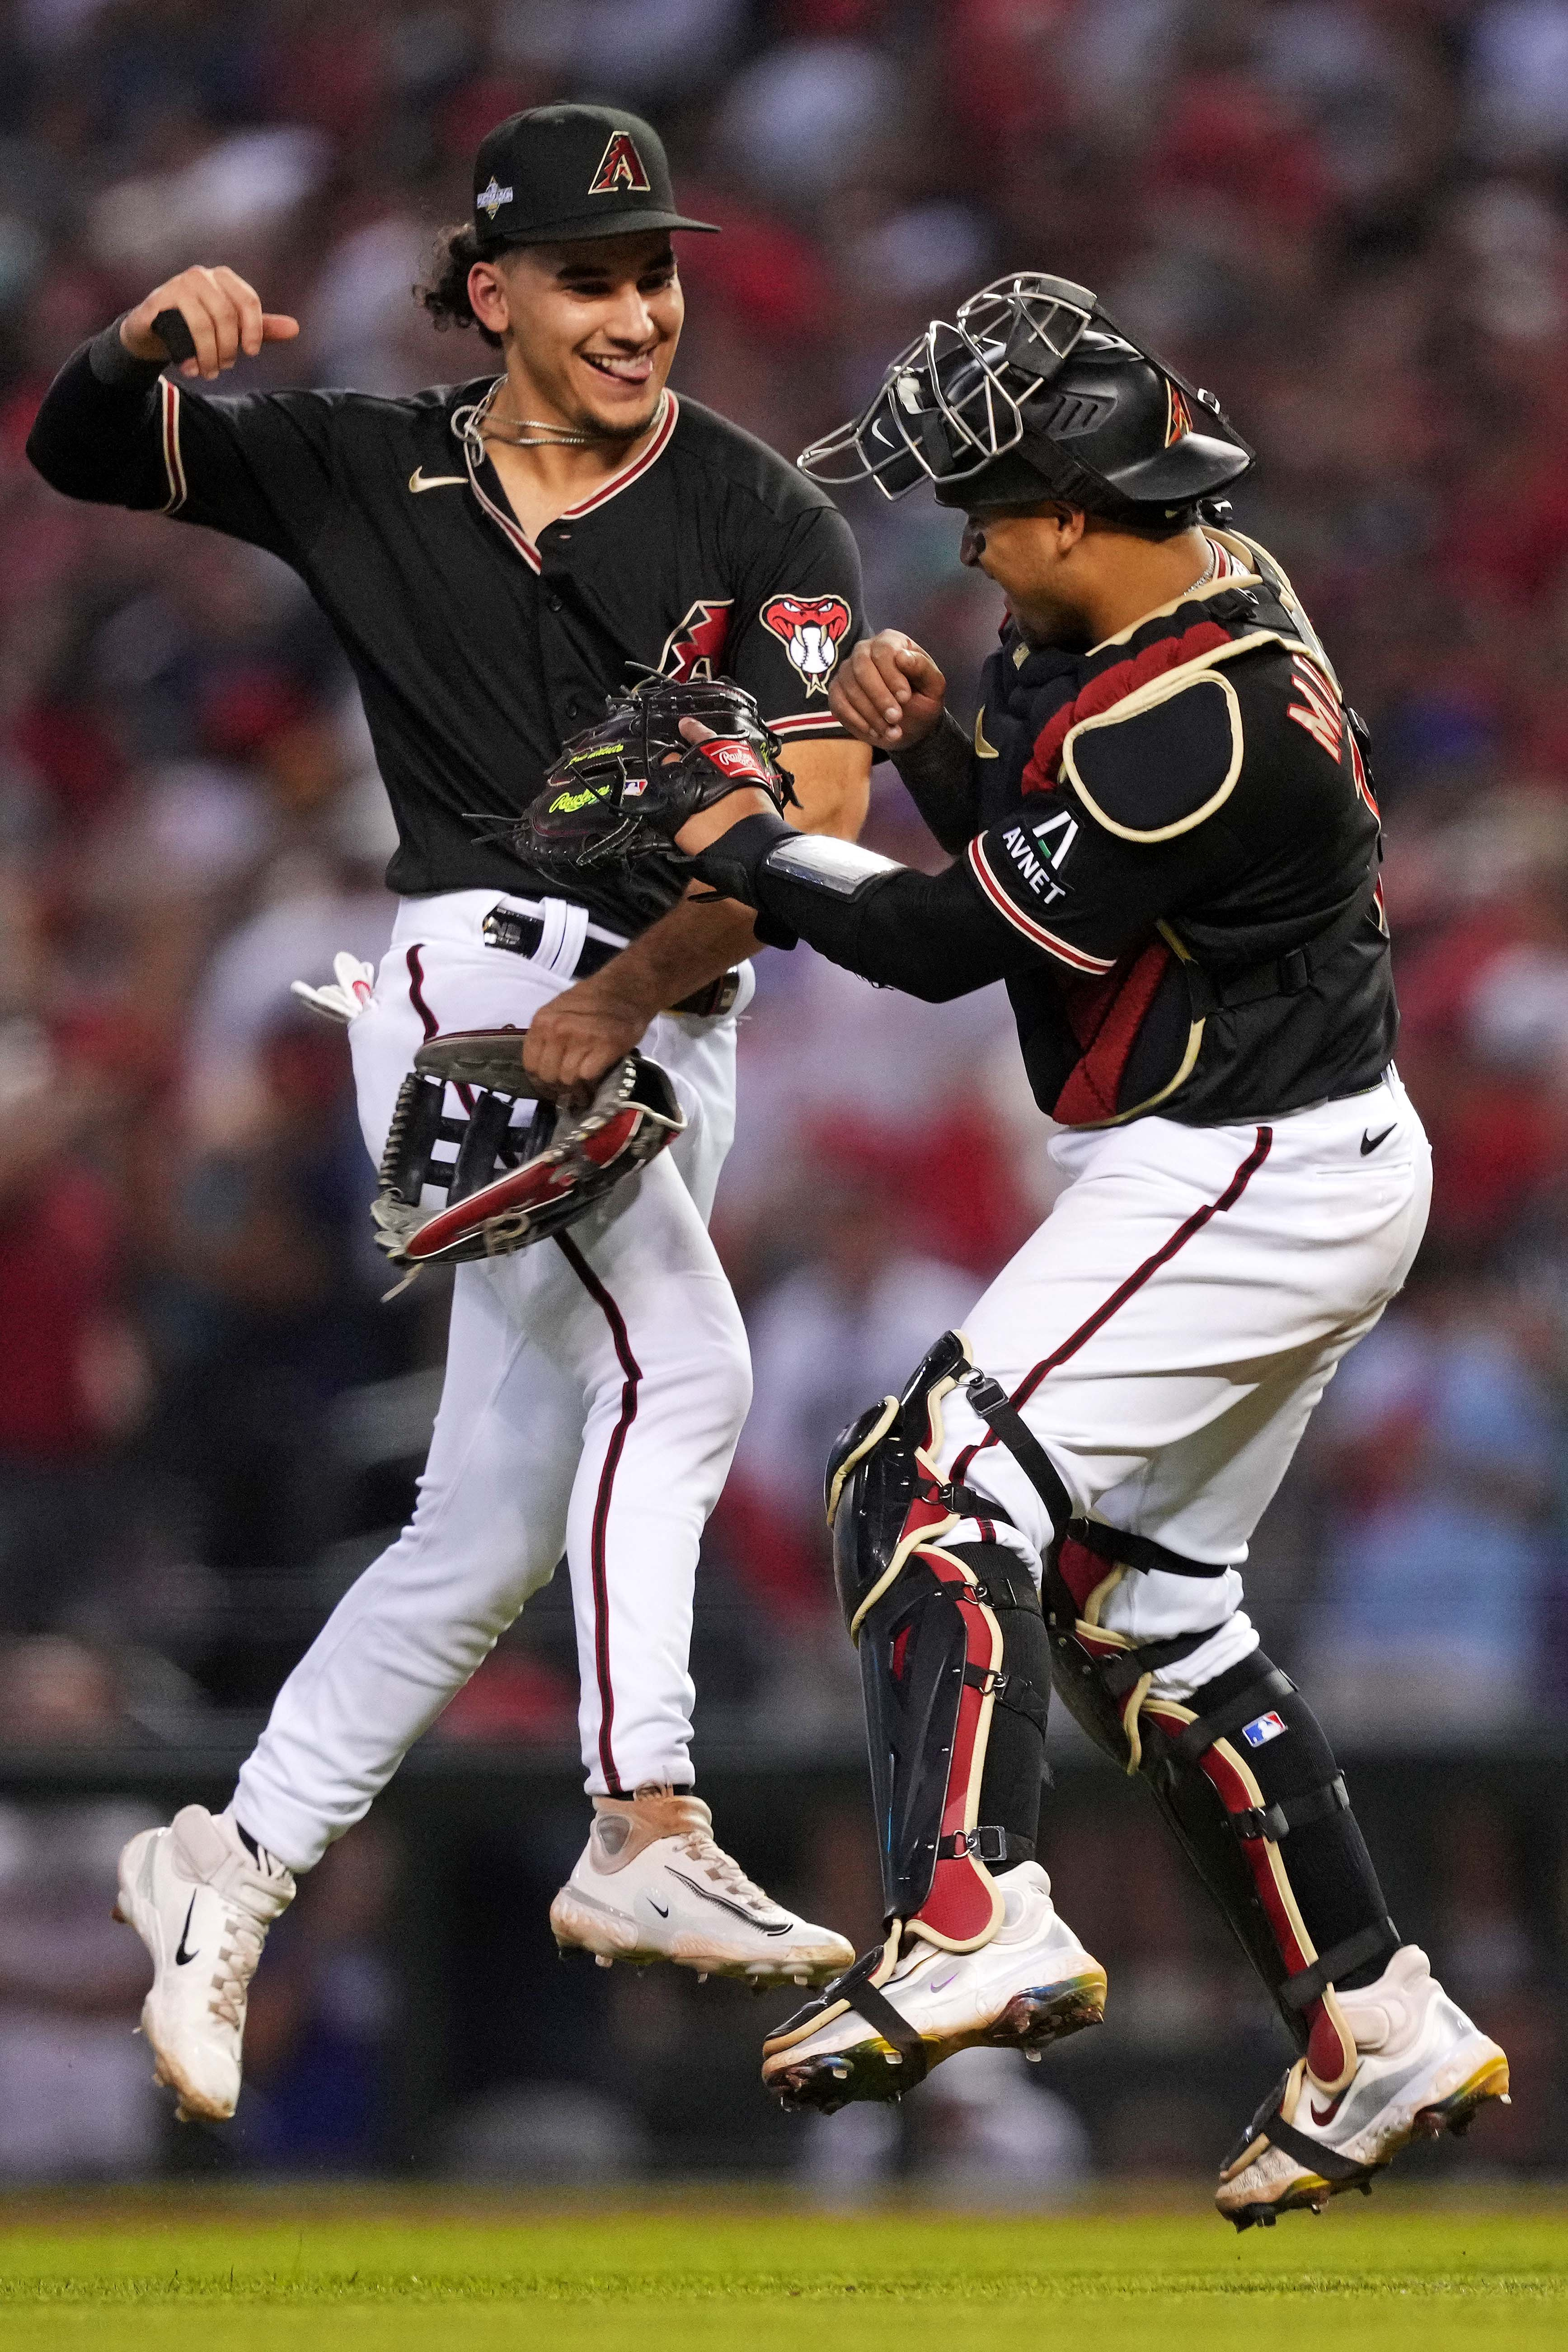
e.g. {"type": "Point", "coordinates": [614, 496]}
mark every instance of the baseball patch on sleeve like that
{"type": "Point", "coordinates": [1161, 769]}
{"type": "Point", "coordinates": [811, 629]}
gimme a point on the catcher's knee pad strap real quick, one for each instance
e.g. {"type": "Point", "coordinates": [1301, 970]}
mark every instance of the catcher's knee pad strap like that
{"type": "Point", "coordinates": [1104, 1677]}
{"type": "Point", "coordinates": [1014, 1769]}
{"type": "Point", "coordinates": [1248, 1780]}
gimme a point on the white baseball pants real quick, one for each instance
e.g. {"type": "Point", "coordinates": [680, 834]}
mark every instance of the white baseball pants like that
{"type": "Point", "coordinates": [1170, 1327]}
{"type": "Point", "coordinates": [595, 1387]}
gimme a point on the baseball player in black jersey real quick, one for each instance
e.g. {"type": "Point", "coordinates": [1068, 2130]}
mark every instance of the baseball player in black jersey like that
{"type": "Point", "coordinates": [1165, 842]}
{"type": "Point", "coordinates": [496, 559]}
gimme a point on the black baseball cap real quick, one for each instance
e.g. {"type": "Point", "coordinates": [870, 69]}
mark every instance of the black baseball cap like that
{"type": "Point", "coordinates": [557, 173]}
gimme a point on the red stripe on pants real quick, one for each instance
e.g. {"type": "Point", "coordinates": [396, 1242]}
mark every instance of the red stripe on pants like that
{"type": "Point", "coordinates": [613, 1450]}
{"type": "Point", "coordinates": [416, 992]}
{"type": "Point", "coordinates": [1125, 1290]}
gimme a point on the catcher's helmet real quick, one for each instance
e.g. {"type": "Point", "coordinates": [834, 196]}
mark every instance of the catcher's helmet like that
{"type": "Point", "coordinates": [1034, 392]}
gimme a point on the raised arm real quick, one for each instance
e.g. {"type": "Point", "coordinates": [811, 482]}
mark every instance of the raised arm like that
{"type": "Point", "coordinates": [223, 316]}
{"type": "Point", "coordinates": [115, 429]}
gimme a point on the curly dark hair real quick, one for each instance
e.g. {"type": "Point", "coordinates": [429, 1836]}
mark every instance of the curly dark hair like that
{"type": "Point", "coordinates": [443, 290]}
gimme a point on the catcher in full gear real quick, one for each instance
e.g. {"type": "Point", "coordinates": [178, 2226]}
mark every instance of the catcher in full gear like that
{"type": "Point", "coordinates": [1166, 844]}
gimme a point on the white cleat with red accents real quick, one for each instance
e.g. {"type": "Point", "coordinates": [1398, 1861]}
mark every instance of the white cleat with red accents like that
{"type": "Point", "coordinates": [652, 1884]}
{"type": "Point", "coordinates": [1423, 2069]}
{"type": "Point", "coordinates": [1031, 1984]}
{"type": "Point", "coordinates": [202, 1902]}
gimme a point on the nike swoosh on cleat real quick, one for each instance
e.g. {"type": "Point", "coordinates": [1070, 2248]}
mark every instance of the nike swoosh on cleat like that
{"type": "Point", "coordinates": [420, 480]}
{"type": "Point", "coordinates": [1326, 2114]}
{"type": "Point", "coordinates": [182, 1957]}
{"type": "Point", "coordinates": [1371, 1142]}
{"type": "Point", "coordinates": [734, 1908]}
{"type": "Point", "coordinates": [662, 1908]}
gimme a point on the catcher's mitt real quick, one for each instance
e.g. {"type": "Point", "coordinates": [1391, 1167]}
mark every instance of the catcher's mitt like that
{"type": "Point", "coordinates": [621, 790]}
{"type": "Point", "coordinates": [508, 1185]}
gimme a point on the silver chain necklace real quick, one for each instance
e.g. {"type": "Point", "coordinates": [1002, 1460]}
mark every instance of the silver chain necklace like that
{"type": "Point", "coordinates": [531, 433]}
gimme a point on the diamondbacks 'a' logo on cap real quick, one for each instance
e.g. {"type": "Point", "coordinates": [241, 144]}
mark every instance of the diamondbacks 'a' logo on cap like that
{"type": "Point", "coordinates": [622, 167]}
{"type": "Point", "coordinates": [1179, 416]}
{"type": "Point", "coordinates": [490, 200]}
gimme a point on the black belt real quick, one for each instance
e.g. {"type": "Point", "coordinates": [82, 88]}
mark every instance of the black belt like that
{"type": "Point", "coordinates": [520, 934]}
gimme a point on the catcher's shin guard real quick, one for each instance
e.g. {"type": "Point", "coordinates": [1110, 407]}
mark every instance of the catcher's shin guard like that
{"type": "Point", "coordinates": [954, 1665]}
{"type": "Point", "coordinates": [1242, 1772]}
{"type": "Point", "coordinates": [1244, 1775]}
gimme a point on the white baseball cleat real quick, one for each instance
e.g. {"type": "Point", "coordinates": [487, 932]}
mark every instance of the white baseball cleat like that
{"type": "Point", "coordinates": [1424, 2069]}
{"type": "Point", "coordinates": [652, 1885]}
{"type": "Point", "coordinates": [1031, 1984]}
{"type": "Point", "coordinates": [202, 1904]}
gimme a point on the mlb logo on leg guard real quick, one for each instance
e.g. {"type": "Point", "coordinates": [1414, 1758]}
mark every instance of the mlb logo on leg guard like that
{"type": "Point", "coordinates": [1263, 1729]}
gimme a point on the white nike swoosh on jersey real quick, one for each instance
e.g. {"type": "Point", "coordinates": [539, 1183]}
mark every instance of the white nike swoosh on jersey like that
{"type": "Point", "coordinates": [420, 480]}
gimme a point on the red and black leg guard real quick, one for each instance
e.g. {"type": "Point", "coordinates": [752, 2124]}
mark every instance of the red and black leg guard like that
{"type": "Point", "coordinates": [955, 1680]}
{"type": "Point", "coordinates": [1247, 1778]}
{"type": "Point", "coordinates": [1241, 1771]}
{"type": "Point", "coordinates": [953, 1664]}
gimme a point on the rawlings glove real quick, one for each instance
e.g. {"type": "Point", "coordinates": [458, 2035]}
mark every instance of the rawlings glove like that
{"type": "Point", "coordinates": [340, 999]}
{"type": "Point", "coordinates": [508, 1185]}
{"type": "Point", "coordinates": [623, 790]}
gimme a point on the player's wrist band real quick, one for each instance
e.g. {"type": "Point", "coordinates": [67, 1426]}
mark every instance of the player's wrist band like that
{"type": "Point", "coordinates": [936, 755]}
{"type": "Point", "coordinates": [111, 363]}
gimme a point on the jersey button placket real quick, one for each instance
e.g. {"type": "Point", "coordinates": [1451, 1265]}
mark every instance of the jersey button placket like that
{"type": "Point", "coordinates": [570, 711]}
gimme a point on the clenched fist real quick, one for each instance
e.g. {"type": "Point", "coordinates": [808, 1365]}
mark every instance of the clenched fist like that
{"type": "Point", "coordinates": [223, 314]}
{"type": "Point", "coordinates": [889, 693]}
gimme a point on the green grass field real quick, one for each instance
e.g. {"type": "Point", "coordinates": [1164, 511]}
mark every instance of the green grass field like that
{"type": "Point", "coordinates": [418, 2273]}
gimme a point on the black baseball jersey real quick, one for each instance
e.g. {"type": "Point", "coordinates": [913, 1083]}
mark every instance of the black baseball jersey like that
{"type": "Point", "coordinates": [477, 652]}
{"type": "Point", "coordinates": [1174, 867]}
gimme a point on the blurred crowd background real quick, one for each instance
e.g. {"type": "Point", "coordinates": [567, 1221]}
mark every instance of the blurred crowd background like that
{"type": "Point", "coordinates": [1352, 220]}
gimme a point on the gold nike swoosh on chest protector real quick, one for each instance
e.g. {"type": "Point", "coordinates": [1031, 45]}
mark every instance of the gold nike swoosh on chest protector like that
{"type": "Point", "coordinates": [983, 750]}
{"type": "Point", "coordinates": [420, 480]}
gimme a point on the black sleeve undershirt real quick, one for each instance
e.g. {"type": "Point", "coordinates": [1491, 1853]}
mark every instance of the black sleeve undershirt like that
{"type": "Point", "coordinates": [930, 935]}
{"type": "Point", "coordinates": [938, 776]}
{"type": "Point", "coordinates": [95, 436]}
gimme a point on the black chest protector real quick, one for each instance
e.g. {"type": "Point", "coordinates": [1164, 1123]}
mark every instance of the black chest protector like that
{"type": "Point", "coordinates": [1267, 987]}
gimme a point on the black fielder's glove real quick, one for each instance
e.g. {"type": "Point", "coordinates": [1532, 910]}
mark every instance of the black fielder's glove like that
{"type": "Point", "coordinates": [621, 790]}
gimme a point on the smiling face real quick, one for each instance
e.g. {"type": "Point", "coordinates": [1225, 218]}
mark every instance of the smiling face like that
{"type": "Point", "coordinates": [1071, 579]}
{"type": "Point", "coordinates": [1029, 552]}
{"type": "Point", "coordinates": [589, 329]}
